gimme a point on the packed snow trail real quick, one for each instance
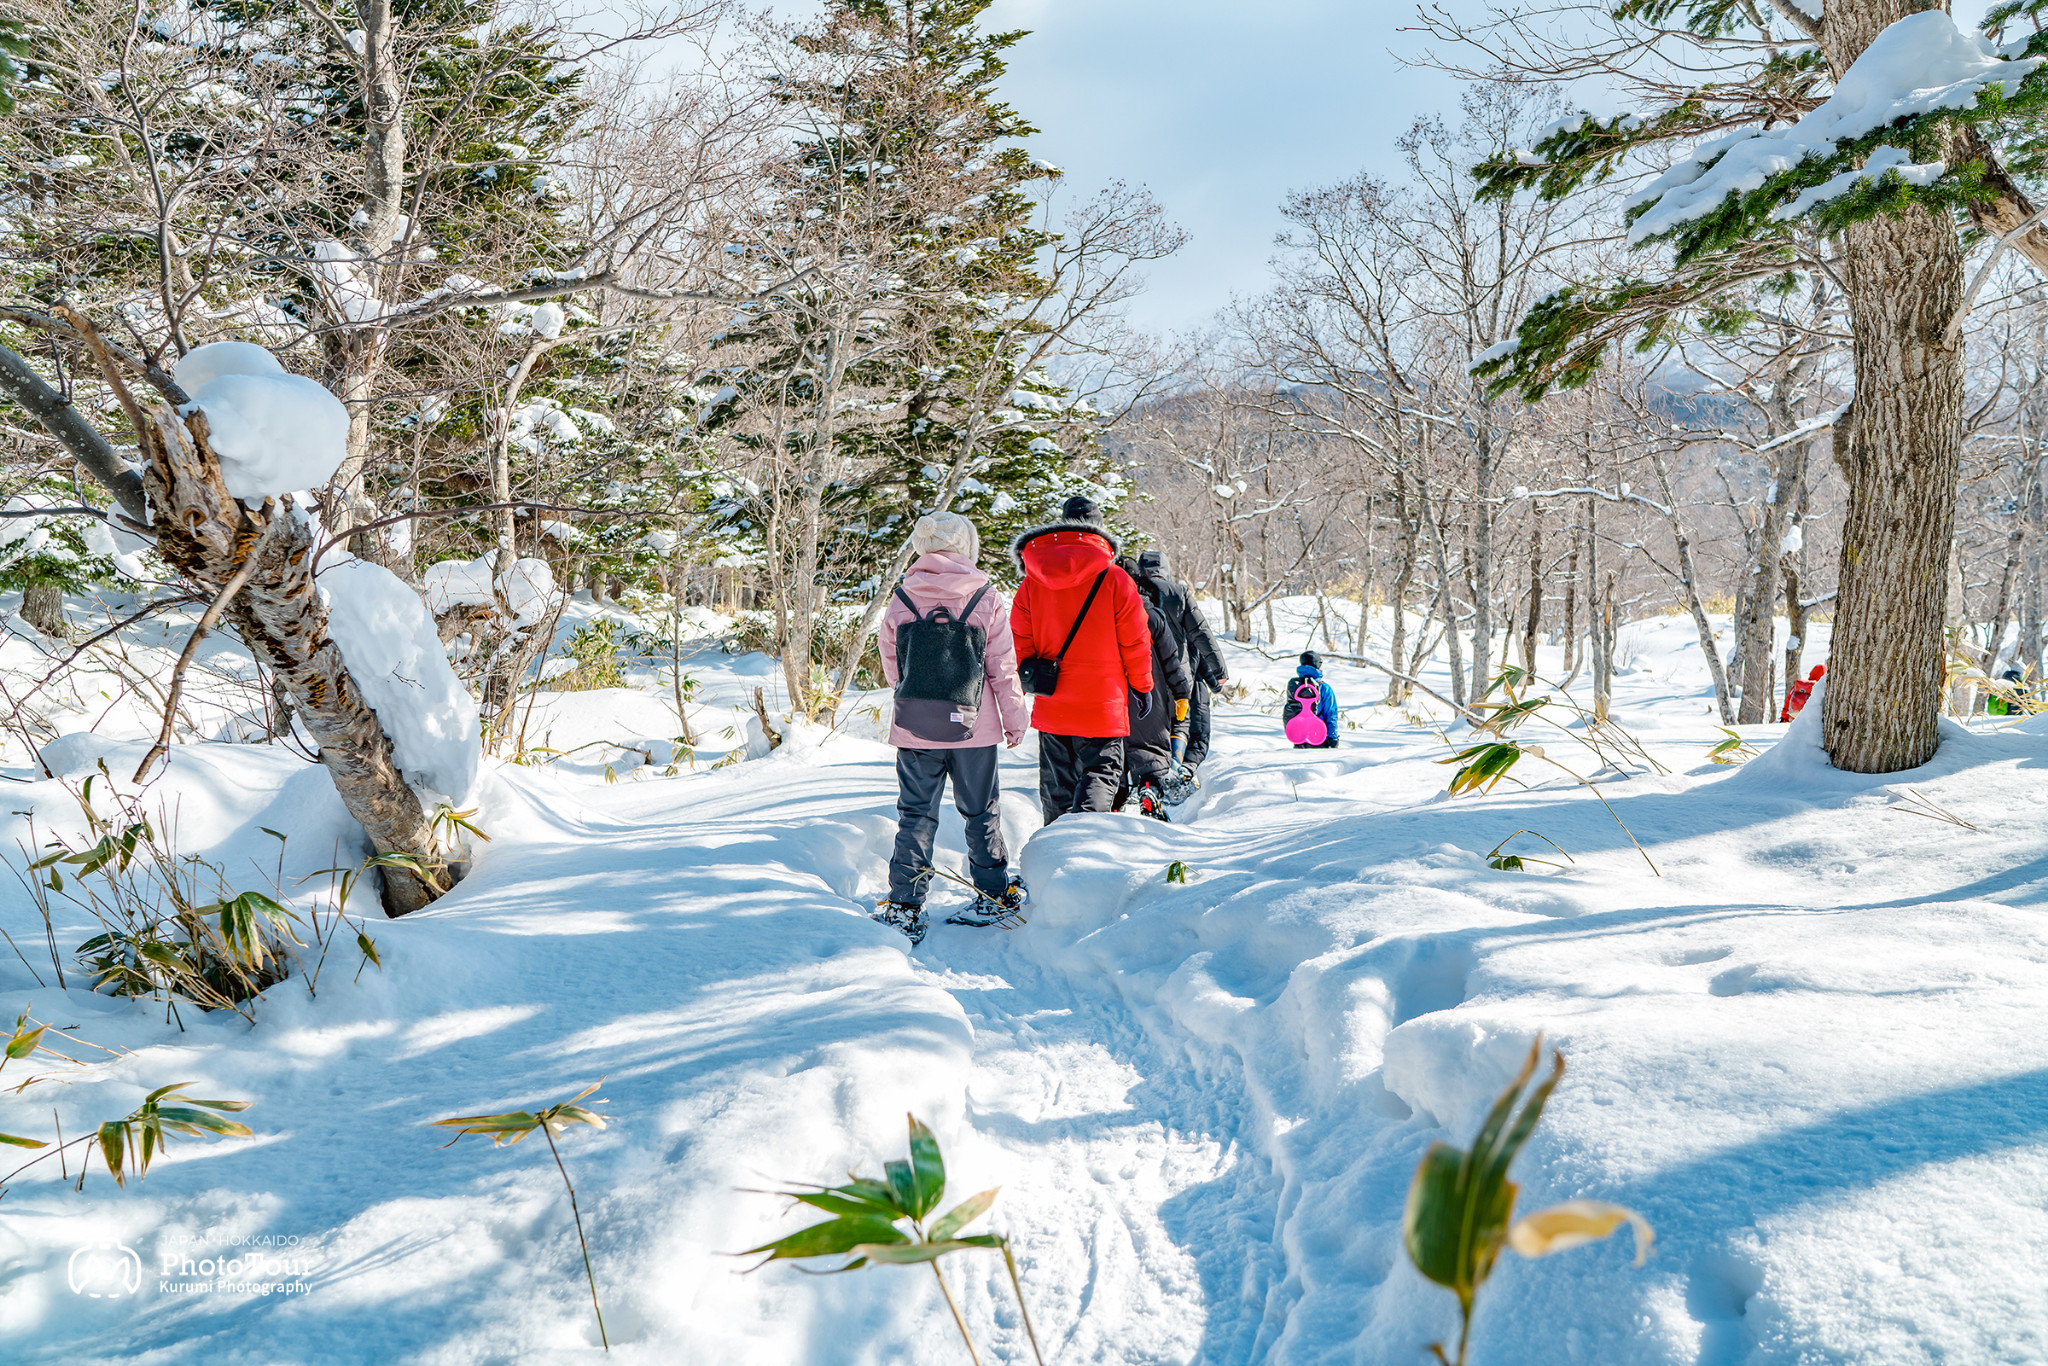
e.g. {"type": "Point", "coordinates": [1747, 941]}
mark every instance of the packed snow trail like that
{"type": "Point", "coordinates": [1812, 1053]}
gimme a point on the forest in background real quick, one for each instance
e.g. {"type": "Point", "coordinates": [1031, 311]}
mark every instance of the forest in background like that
{"type": "Point", "coordinates": [702, 307]}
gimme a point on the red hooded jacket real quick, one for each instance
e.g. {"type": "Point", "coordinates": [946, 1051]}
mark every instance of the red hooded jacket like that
{"type": "Point", "coordinates": [1112, 652]}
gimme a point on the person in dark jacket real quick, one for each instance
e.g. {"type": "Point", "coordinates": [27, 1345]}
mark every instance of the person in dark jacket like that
{"type": "Point", "coordinates": [1148, 751]}
{"type": "Point", "coordinates": [1203, 658]}
{"type": "Point", "coordinates": [1082, 724]}
{"type": "Point", "coordinates": [1326, 700]}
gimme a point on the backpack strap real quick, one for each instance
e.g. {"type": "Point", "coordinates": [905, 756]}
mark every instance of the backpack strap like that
{"type": "Point", "coordinates": [914, 613]}
{"type": "Point", "coordinates": [973, 602]}
{"type": "Point", "coordinates": [1086, 603]}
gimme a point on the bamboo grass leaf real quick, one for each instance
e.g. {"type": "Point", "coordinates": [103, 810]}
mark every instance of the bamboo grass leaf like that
{"type": "Point", "coordinates": [830, 1238]}
{"type": "Point", "coordinates": [963, 1214]}
{"type": "Point", "coordinates": [928, 1169]}
{"type": "Point", "coordinates": [1574, 1224]}
{"type": "Point", "coordinates": [909, 1254]}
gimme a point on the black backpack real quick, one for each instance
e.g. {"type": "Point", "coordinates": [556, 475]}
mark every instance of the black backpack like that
{"type": "Point", "coordinates": [939, 673]}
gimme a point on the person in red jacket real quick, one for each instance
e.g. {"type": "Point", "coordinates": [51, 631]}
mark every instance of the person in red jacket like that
{"type": "Point", "coordinates": [1104, 653]}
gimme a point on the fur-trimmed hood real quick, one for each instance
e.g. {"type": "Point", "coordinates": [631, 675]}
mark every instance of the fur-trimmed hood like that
{"type": "Point", "coordinates": [1092, 528]}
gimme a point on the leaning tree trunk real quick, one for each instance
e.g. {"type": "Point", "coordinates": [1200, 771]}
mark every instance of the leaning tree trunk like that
{"type": "Point", "coordinates": [205, 534]}
{"type": "Point", "coordinates": [1900, 452]}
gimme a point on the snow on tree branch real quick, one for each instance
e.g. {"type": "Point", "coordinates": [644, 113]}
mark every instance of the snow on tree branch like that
{"type": "Point", "coordinates": [1889, 111]}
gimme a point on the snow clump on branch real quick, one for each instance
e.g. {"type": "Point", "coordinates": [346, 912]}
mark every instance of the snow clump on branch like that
{"type": "Point", "coordinates": [529, 587]}
{"type": "Point", "coordinates": [1921, 64]}
{"type": "Point", "coordinates": [389, 644]}
{"type": "Point", "coordinates": [274, 432]}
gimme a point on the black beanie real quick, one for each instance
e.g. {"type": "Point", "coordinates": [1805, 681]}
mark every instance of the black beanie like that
{"type": "Point", "coordinates": [1081, 508]}
{"type": "Point", "coordinates": [1312, 659]}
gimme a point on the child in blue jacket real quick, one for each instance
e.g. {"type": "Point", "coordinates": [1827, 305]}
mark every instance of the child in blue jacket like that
{"type": "Point", "coordinates": [1310, 717]}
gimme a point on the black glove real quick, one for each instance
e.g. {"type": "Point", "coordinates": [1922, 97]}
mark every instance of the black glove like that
{"type": "Point", "coordinates": [1144, 704]}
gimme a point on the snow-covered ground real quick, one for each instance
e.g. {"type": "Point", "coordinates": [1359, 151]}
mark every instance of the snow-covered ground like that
{"type": "Point", "coordinates": [1811, 1052]}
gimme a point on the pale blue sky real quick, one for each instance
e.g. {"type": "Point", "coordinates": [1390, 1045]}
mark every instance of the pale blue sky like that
{"type": "Point", "coordinates": [1219, 107]}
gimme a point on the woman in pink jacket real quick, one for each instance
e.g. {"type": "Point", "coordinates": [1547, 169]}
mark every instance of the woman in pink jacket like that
{"type": "Point", "coordinates": [952, 705]}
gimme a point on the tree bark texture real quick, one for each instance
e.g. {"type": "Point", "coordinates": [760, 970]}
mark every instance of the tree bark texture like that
{"type": "Point", "coordinates": [1404, 578]}
{"type": "Point", "coordinates": [1755, 614]}
{"type": "Point", "coordinates": [1480, 567]}
{"type": "Point", "coordinates": [42, 606]}
{"type": "Point", "coordinates": [1900, 453]}
{"type": "Point", "coordinates": [1534, 621]}
{"type": "Point", "coordinates": [204, 534]}
{"type": "Point", "coordinates": [1570, 665]}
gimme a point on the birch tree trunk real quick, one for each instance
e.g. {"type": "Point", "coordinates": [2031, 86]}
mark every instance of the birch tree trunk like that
{"type": "Point", "coordinates": [2001, 611]}
{"type": "Point", "coordinates": [203, 533]}
{"type": "Point", "coordinates": [206, 535]}
{"type": "Point", "coordinates": [1756, 624]}
{"type": "Point", "coordinates": [1603, 654]}
{"type": "Point", "coordinates": [1397, 689]}
{"type": "Point", "coordinates": [1534, 622]}
{"type": "Point", "coordinates": [1689, 580]}
{"type": "Point", "coordinates": [1570, 665]}
{"type": "Point", "coordinates": [1481, 565]}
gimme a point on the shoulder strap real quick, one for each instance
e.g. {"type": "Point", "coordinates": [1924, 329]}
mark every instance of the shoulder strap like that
{"type": "Point", "coordinates": [973, 602]}
{"type": "Point", "coordinates": [915, 614]}
{"type": "Point", "coordinates": [1086, 603]}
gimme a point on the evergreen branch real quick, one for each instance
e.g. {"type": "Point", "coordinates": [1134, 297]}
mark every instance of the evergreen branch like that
{"type": "Point", "coordinates": [1562, 341]}
{"type": "Point", "coordinates": [1998, 16]}
{"type": "Point", "coordinates": [1573, 152]}
{"type": "Point", "coordinates": [1819, 190]}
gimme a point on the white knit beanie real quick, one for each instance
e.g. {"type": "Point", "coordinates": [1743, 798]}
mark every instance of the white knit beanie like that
{"type": "Point", "coordinates": [945, 531]}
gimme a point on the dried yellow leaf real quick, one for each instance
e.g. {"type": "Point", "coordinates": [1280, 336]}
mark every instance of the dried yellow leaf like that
{"type": "Point", "coordinates": [1575, 1223]}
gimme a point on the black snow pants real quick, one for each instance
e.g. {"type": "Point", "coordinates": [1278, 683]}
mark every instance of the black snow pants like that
{"type": "Point", "coordinates": [1076, 773]}
{"type": "Point", "coordinates": [1198, 725]}
{"type": "Point", "coordinates": [920, 785]}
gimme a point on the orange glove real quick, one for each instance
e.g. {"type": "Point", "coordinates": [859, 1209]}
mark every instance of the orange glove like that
{"type": "Point", "coordinates": [1180, 709]}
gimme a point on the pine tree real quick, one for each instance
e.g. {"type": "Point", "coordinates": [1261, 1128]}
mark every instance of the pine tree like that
{"type": "Point", "coordinates": [903, 372]}
{"type": "Point", "coordinates": [46, 557]}
{"type": "Point", "coordinates": [1924, 153]}
{"type": "Point", "coordinates": [969, 227]}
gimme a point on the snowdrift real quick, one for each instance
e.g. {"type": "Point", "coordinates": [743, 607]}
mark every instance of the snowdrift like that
{"type": "Point", "coordinates": [1810, 1053]}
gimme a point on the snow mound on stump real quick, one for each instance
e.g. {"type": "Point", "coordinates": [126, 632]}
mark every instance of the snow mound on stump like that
{"type": "Point", "coordinates": [273, 433]}
{"type": "Point", "coordinates": [388, 642]}
{"type": "Point", "coordinates": [202, 365]}
{"type": "Point", "coordinates": [529, 587]}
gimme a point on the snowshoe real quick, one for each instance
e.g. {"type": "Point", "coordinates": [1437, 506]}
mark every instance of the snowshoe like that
{"type": "Point", "coordinates": [900, 916]}
{"type": "Point", "coordinates": [1151, 802]}
{"type": "Point", "coordinates": [1006, 911]}
{"type": "Point", "coordinates": [1178, 785]}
